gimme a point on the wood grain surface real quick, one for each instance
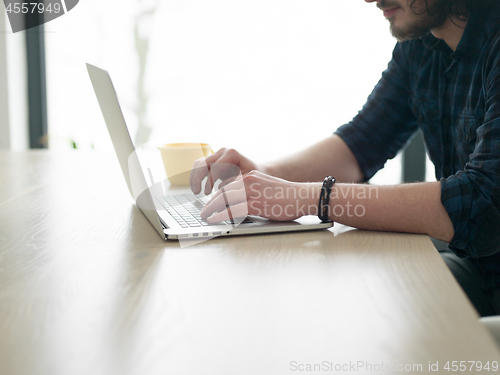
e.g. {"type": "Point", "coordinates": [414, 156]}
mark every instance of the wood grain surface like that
{"type": "Point", "coordinates": [88, 287]}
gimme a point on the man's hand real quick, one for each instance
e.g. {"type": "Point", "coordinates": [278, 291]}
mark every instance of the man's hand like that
{"type": "Point", "coordinates": [262, 195]}
{"type": "Point", "coordinates": [329, 157]}
{"type": "Point", "coordinates": [226, 164]}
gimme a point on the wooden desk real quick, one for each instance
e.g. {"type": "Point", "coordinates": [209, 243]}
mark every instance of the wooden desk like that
{"type": "Point", "coordinates": [88, 287]}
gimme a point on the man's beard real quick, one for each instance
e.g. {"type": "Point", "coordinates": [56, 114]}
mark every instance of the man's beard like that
{"type": "Point", "coordinates": [424, 18]}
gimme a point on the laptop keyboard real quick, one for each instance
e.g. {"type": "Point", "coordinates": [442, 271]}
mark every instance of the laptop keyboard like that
{"type": "Point", "coordinates": [185, 209]}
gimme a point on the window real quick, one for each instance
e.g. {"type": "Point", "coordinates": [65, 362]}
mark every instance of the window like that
{"type": "Point", "coordinates": [265, 77]}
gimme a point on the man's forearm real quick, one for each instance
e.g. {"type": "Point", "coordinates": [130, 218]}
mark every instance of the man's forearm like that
{"type": "Point", "coordinates": [330, 156]}
{"type": "Point", "coordinates": [411, 208]}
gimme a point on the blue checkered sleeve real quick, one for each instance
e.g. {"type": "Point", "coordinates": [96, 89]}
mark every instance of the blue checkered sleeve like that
{"type": "Point", "coordinates": [472, 195]}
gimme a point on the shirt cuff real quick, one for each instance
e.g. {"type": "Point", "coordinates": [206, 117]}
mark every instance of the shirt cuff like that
{"type": "Point", "coordinates": [456, 197]}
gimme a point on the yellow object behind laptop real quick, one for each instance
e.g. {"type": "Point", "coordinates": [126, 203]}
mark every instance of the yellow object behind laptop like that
{"type": "Point", "coordinates": [178, 159]}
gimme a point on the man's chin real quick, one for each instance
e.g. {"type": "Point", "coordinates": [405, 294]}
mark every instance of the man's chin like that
{"type": "Point", "coordinates": [418, 28]}
{"type": "Point", "coordinates": [408, 34]}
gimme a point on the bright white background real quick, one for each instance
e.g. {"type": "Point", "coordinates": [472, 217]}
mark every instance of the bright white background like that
{"type": "Point", "coordinates": [265, 77]}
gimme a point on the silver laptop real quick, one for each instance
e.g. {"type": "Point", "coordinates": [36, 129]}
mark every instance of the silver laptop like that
{"type": "Point", "coordinates": [174, 214]}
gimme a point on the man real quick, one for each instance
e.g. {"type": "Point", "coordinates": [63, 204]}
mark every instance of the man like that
{"type": "Point", "coordinates": [444, 78]}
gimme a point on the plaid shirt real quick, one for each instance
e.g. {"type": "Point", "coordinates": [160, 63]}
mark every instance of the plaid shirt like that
{"type": "Point", "coordinates": [454, 97]}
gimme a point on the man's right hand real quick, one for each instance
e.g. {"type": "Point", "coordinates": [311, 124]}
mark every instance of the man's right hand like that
{"type": "Point", "coordinates": [226, 164]}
